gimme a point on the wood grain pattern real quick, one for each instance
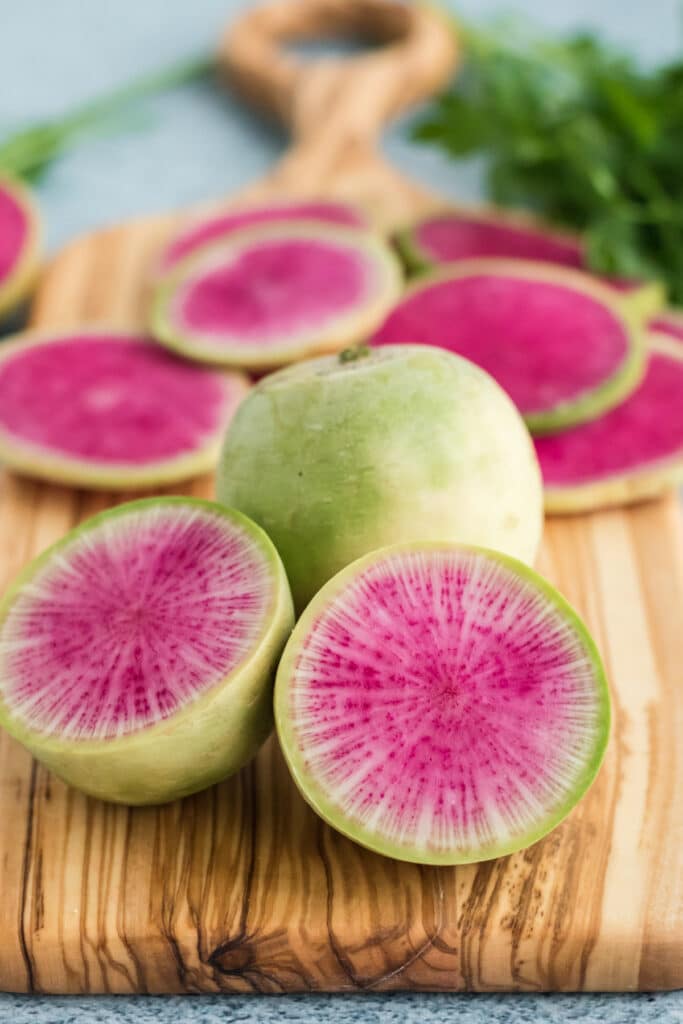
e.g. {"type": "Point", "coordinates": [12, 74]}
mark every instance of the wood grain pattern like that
{"type": "Point", "coordinates": [242, 888]}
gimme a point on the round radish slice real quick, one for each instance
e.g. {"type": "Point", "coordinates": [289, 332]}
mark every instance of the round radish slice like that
{"type": "Point", "coordinates": [273, 294]}
{"type": "Point", "coordinates": [137, 653]}
{"type": "Point", "coordinates": [220, 225]}
{"type": "Point", "coordinates": [441, 704]}
{"type": "Point", "coordinates": [449, 236]}
{"type": "Point", "coordinates": [452, 235]}
{"type": "Point", "coordinates": [102, 408]}
{"type": "Point", "coordinates": [19, 244]}
{"type": "Point", "coordinates": [631, 453]}
{"type": "Point", "coordinates": [553, 338]}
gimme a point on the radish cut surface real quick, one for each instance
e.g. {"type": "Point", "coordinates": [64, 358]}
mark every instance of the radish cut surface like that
{"type": "Point", "coordinates": [273, 294]}
{"type": "Point", "coordinates": [108, 409]}
{"type": "Point", "coordinates": [220, 225]}
{"type": "Point", "coordinates": [441, 704]}
{"type": "Point", "coordinates": [19, 243]}
{"type": "Point", "coordinates": [147, 620]}
{"type": "Point", "coordinates": [554, 339]}
{"type": "Point", "coordinates": [630, 453]}
{"type": "Point", "coordinates": [453, 235]}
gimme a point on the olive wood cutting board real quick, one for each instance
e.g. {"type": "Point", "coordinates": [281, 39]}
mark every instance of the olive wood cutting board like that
{"type": "Point", "coordinates": [242, 888]}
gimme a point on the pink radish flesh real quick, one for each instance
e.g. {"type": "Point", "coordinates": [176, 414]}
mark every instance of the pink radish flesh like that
{"type": "Point", "coordinates": [110, 399]}
{"type": "Point", "coordinates": [141, 615]}
{"type": "Point", "coordinates": [222, 225]}
{"type": "Point", "coordinates": [443, 704]}
{"type": "Point", "coordinates": [645, 429]}
{"type": "Point", "coordinates": [448, 238]}
{"type": "Point", "coordinates": [546, 344]}
{"type": "Point", "coordinates": [272, 289]}
{"type": "Point", "coordinates": [13, 232]}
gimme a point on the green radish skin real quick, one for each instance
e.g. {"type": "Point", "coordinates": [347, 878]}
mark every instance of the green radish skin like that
{"type": "Point", "coordinates": [203, 741]}
{"type": "Point", "coordinates": [338, 456]}
{"type": "Point", "coordinates": [17, 285]}
{"type": "Point", "coordinates": [293, 666]}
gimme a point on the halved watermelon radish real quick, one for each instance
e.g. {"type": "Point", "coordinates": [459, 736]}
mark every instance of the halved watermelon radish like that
{"type": "Point", "coordinates": [452, 235]}
{"type": "Point", "coordinates": [219, 225]}
{"type": "Point", "coordinates": [441, 704]}
{"type": "Point", "coordinates": [106, 408]}
{"type": "Point", "coordinates": [557, 341]}
{"type": "Point", "coordinates": [631, 453]}
{"type": "Point", "coordinates": [137, 654]}
{"type": "Point", "coordinates": [276, 293]}
{"type": "Point", "coordinates": [19, 244]}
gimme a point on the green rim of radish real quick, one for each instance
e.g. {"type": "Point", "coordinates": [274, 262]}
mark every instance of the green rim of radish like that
{"type": "Point", "coordinates": [34, 446]}
{"type": "Point", "coordinates": [419, 261]}
{"type": "Point", "coordinates": [210, 734]}
{"type": "Point", "coordinates": [610, 390]}
{"type": "Point", "coordinates": [19, 282]}
{"type": "Point", "coordinates": [308, 765]}
{"type": "Point", "coordinates": [644, 298]}
{"type": "Point", "coordinates": [380, 282]}
{"type": "Point", "coordinates": [628, 485]}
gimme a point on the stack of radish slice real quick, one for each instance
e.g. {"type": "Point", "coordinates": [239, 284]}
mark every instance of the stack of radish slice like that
{"type": "Point", "coordinates": [250, 288]}
{"type": "Point", "coordinates": [600, 386]}
{"type": "Point", "coordinates": [19, 244]}
{"type": "Point", "coordinates": [450, 235]}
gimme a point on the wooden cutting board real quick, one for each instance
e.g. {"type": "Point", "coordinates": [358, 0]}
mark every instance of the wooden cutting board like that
{"type": "Point", "coordinates": [242, 888]}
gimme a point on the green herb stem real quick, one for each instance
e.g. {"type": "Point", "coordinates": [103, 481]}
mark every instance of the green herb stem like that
{"type": "Point", "coordinates": [29, 151]}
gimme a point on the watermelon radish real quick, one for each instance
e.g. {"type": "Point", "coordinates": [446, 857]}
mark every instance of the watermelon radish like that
{"type": "Point", "coordinates": [275, 293]}
{"type": "Point", "coordinates": [137, 653]}
{"type": "Point", "coordinates": [340, 455]}
{"type": "Point", "coordinates": [632, 452]}
{"type": "Point", "coordinates": [449, 236]}
{"type": "Point", "coordinates": [441, 704]}
{"type": "Point", "coordinates": [669, 323]}
{"type": "Point", "coordinates": [221, 224]}
{"type": "Point", "coordinates": [556, 340]}
{"type": "Point", "coordinates": [104, 408]}
{"type": "Point", "coordinates": [19, 244]}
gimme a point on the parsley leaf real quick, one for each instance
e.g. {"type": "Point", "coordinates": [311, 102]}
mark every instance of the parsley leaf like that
{"type": "Point", "coordinates": [581, 135]}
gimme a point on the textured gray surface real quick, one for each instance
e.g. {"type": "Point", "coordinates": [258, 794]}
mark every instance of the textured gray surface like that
{"type": "Point", "coordinates": [194, 144]}
{"type": "Point", "coordinates": [371, 1009]}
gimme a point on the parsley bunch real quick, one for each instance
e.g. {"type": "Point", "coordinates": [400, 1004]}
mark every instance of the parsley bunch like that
{"type": "Point", "coordinates": [580, 134]}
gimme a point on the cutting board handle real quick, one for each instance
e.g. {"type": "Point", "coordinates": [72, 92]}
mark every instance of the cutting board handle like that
{"type": "Point", "coordinates": [339, 100]}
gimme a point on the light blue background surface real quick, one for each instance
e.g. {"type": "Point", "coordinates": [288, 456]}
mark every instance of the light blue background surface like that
{"type": "Point", "coordinates": [195, 144]}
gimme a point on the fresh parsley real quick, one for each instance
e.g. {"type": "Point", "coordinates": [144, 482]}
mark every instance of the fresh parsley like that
{"type": "Point", "coordinates": [579, 133]}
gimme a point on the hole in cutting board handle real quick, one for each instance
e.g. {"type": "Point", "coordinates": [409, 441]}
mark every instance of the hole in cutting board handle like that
{"type": "Point", "coordinates": [339, 48]}
{"type": "Point", "coordinates": [411, 51]}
